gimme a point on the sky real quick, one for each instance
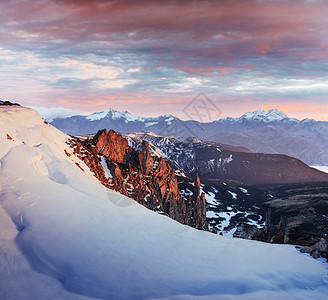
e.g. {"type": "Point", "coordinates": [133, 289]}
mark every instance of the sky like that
{"type": "Point", "coordinates": [154, 57]}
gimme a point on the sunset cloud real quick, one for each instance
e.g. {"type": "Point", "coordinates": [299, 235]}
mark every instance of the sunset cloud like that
{"type": "Point", "coordinates": [130, 54]}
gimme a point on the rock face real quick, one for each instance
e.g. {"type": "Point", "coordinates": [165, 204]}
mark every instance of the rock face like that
{"type": "Point", "coordinates": [151, 181]}
{"type": "Point", "coordinates": [244, 231]}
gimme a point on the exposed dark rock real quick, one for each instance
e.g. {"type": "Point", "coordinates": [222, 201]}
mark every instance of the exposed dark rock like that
{"type": "Point", "coordinates": [79, 166]}
{"type": "Point", "coordinates": [8, 103]}
{"type": "Point", "coordinates": [245, 231]}
{"type": "Point", "coordinates": [320, 249]}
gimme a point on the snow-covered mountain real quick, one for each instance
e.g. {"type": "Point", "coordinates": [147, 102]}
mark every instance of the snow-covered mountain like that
{"type": "Point", "coordinates": [64, 236]}
{"type": "Point", "coordinates": [260, 131]}
{"type": "Point", "coordinates": [272, 115]}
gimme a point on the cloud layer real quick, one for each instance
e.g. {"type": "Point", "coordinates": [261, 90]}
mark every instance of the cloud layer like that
{"type": "Point", "coordinates": [154, 57]}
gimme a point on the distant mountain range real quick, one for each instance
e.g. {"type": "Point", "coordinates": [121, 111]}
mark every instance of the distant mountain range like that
{"type": "Point", "coordinates": [260, 131]}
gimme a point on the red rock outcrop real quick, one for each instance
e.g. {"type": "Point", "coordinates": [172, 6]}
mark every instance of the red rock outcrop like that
{"type": "Point", "coordinates": [136, 174]}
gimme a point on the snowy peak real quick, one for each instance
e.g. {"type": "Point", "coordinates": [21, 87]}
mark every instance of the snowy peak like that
{"type": "Point", "coordinates": [128, 117]}
{"type": "Point", "coordinates": [98, 115]}
{"type": "Point", "coordinates": [265, 116]}
{"type": "Point", "coordinates": [114, 114]}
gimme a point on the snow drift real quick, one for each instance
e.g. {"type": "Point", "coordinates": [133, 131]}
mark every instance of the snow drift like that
{"type": "Point", "coordinates": [63, 237]}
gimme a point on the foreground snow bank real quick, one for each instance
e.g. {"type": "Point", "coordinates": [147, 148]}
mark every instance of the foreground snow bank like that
{"type": "Point", "coordinates": [321, 168]}
{"type": "Point", "coordinates": [62, 236]}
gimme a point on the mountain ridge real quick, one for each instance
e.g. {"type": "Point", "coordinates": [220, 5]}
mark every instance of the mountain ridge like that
{"type": "Point", "coordinates": [260, 131]}
{"type": "Point", "coordinates": [216, 161]}
{"type": "Point", "coordinates": [269, 115]}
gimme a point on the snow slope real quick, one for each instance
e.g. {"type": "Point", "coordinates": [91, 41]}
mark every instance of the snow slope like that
{"type": "Point", "coordinates": [321, 168]}
{"type": "Point", "coordinates": [63, 237]}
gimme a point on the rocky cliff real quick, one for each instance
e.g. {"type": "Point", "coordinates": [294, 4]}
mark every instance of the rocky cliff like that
{"type": "Point", "coordinates": [151, 181]}
{"type": "Point", "coordinates": [296, 214]}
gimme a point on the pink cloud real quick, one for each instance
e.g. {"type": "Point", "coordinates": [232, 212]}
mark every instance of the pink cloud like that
{"type": "Point", "coordinates": [169, 41]}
